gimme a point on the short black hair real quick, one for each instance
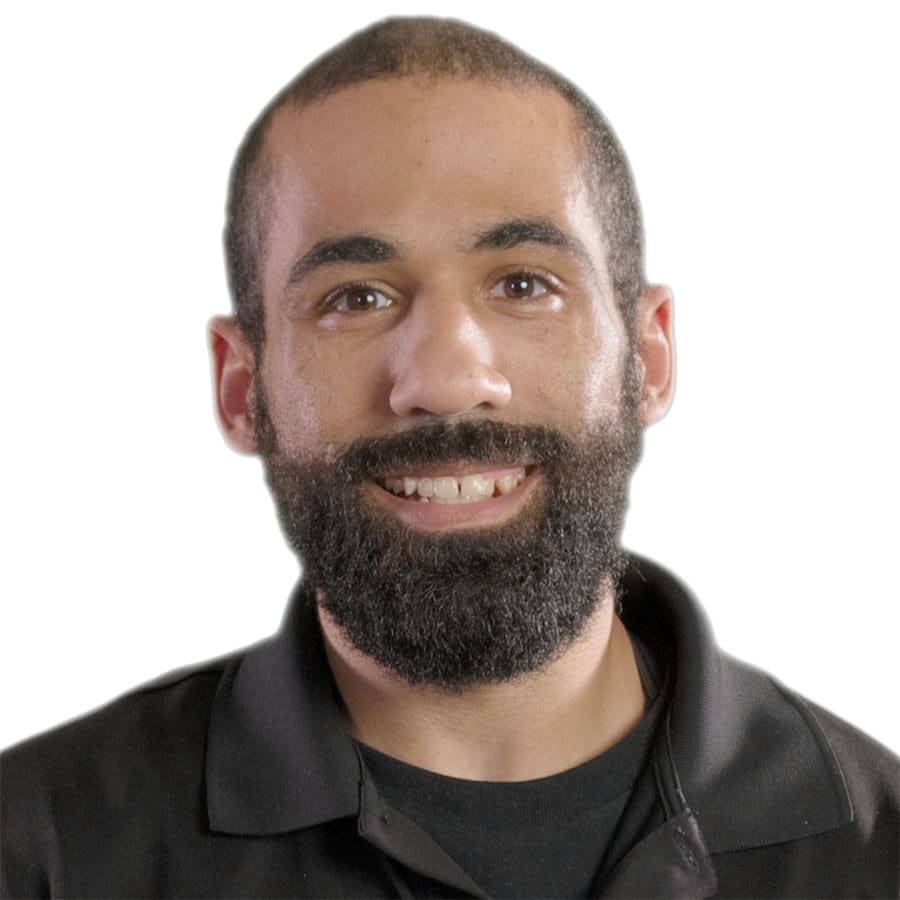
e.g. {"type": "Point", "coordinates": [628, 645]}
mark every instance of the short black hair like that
{"type": "Point", "coordinates": [439, 48]}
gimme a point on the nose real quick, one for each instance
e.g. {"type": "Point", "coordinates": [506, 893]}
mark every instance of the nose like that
{"type": "Point", "coordinates": [444, 362]}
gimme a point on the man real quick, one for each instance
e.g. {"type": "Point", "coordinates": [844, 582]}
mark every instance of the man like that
{"type": "Point", "coordinates": [445, 352]}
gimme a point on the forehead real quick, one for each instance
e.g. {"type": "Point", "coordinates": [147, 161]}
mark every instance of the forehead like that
{"type": "Point", "coordinates": [428, 109]}
{"type": "Point", "coordinates": [424, 163]}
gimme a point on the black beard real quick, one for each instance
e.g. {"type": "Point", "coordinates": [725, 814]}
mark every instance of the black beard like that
{"type": "Point", "coordinates": [466, 607]}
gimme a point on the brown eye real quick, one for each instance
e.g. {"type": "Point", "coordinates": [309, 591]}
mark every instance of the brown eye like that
{"type": "Point", "coordinates": [357, 300]}
{"type": "Point", "coordinates": [521, 286]}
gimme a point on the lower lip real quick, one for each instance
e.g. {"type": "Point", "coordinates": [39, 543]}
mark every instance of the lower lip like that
{"type": "Point", "coordinates": [453, 516]}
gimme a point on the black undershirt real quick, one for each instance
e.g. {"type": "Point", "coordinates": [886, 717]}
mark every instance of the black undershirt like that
{"type": "Point", "coordinates": [543, 838]}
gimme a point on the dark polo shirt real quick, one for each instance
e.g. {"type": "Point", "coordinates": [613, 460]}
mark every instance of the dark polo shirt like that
{"type": "Point", "coordinates": [238, 779]}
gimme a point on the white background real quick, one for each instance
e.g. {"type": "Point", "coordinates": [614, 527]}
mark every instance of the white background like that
{"type": "Point", "coordinates": [764, 141]}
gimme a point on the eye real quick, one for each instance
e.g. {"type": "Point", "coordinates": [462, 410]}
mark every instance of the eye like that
{"type": "Point", "coordinates": [521, 286]}
{"type": "Point", "coordinates": [356, 299]}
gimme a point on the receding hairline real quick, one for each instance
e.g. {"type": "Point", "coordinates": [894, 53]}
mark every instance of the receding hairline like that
{"type": "Point", "coordinates": [407, 48]}
{"type": "Point", "coordinates": [410, 46]}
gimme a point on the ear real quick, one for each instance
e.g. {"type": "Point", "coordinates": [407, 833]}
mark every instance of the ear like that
{"type": "Point", "coordinates": [656, 352]}
{"type": "Point", "coordinates": [232, 373]}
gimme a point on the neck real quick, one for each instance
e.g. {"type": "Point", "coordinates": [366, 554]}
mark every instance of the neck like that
{"type": "Point", "coordinates": [570, 711]}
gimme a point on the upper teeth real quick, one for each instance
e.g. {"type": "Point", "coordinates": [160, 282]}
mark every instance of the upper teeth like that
{"type": "Point", "coordinates": [447, 489]}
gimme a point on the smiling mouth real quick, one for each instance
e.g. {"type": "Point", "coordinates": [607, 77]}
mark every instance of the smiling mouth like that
{"type": "Point", "coordinates": [450, 489]}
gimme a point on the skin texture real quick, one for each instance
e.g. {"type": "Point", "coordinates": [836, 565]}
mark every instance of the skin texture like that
{"type": "Point", "coordinates": [440, 324]}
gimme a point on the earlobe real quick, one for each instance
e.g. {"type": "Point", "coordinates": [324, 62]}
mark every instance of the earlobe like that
{"type": "Point", "coordinates": [655, 347]}
{"type": "Point", "coordinates": [232, 373]}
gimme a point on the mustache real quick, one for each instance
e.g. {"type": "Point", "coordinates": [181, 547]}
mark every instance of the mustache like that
{"type": "Point", "coordinates": [487, 441]}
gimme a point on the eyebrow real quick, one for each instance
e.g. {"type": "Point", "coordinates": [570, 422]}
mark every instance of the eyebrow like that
{"type": "Point", "coordinates": [513, 232]}
{"type": "Point", "coordinates": [354, 248]}
{"type": "Point", "coordinates": [365, 248]}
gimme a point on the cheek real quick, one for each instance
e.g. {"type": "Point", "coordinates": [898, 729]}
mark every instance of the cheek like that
{"type": "Point", "coordinates": [573, 377]}
{"type": "Point", "coordinates": [604, 363]}
{"type": "Point", "coordinates": [318, 397]}
{"type": "Point", "coordinates": [602, 384]}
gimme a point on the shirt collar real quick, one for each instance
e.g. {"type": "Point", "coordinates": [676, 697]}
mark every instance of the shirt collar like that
{"type": "Point", "coordinates": [746, 754]}
{"type": "Point", "coordinates": [279, 756]}
{"type": "Point", "coordinates": [741, 751]}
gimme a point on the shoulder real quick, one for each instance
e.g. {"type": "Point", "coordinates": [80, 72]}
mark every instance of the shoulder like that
{"type": "Point", "coordinates": [860, 769]}
{"type": "Point", "coordinates": [858, 858]}
{"type": "Point", "coordinates": [833, 808]}
{"type": "Point", "coordinates": [141, 720]}
{"type": "Point", "coordinates": [870, 771]}
{"type": "Point", "coordinates": [791, 800]}
{"type": "Point", "coordinates": [141, 755]}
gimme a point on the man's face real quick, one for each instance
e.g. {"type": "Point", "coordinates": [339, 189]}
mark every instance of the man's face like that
{"type": "Point", "coordinates": [437, 301]}
{"type": "Point", "coordinates": [480, 289]}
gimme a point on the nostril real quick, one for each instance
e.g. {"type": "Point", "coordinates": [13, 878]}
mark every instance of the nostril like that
{"type": "Point", "coordinates": [443, 393]}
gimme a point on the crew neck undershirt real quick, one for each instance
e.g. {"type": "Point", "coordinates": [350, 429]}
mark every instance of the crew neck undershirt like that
{"type": "Point", "coordinates": [540, 838]}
